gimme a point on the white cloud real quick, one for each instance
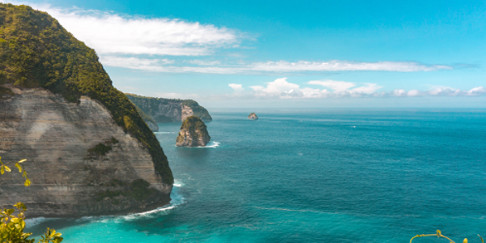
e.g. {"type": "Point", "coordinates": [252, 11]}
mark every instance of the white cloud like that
{"type": "Point", "coordinates": [337, 86]}
{"type": "Point", "coordinates": [204, 62]}
{"type": "Point", "coordinates": [476, 91]}
{"type": "Point", "coordinates": [439, 91]}
{"type": "Point", "coordinates": [135, 62]}
{"type": "Point", "coordinates": [278, 88]}
{"type": "Point", "coordinates": [335, 65]}
{"type": "Point", "coordinates": [110, 33]}
{"type": "Point", "coordinates": [444, 91]}
{"type": "Point", "coordinates": [236, 87]}
{"type": "Point", "coordinates": [313, 93]}
{"type": "Point", "coordinates": [216, 68]}
{"type": "Point", "coordinates": [367, 89]}
{"type": "Point", "coordinates": [399, 92]}
{"type": "Point", "coordinates": [281, 88]}
{"type": "Point", "coordinates": [156, 65]}
{"type": "Point", "coordinates": [413, 93]}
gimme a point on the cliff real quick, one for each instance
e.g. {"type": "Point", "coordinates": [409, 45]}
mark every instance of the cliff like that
{"type": "Point", "coordinates": [193, 133]}
{"type": "Point", "coordinates": [169, 110]}
{"type": "Point", "coordinates": [89, 152]}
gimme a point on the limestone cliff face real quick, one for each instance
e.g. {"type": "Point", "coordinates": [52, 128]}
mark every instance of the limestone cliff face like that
{"type": "Point", "coordinates": [70, 174]}
{"type": "Point", "coordinates": [193, 133]}
{"type": "Point", "coordinates": [169, 110]}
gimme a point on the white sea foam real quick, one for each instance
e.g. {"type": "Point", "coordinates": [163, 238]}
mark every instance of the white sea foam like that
{"type": "Point", "coordinates": [209, 145]}
{"type": "Point", "coordinates": [213, 144]}
{"type": "Point", "coordinates": [177, 199]}
{"type": "Point", "coordinates": [156, 211]}
{"type": "Point", "coordinates": [178, 183]}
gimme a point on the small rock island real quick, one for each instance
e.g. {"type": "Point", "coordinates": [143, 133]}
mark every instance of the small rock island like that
{"type": "Point", "coordinates": [193, 133]}
{"type": "Point", "coordinates": [253, 116]}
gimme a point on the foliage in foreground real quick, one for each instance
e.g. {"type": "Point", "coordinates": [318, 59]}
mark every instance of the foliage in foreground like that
{"type": "Point", "coordinates": [12, 223]}
{"type": "Point", "coordinates": [439, 234]}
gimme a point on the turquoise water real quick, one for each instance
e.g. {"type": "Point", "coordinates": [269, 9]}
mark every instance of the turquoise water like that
{"type": "Point", "coordinates": [369, 176]}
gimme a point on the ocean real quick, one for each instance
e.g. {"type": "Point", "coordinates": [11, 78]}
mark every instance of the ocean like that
{"type": "Point", "coordinates": [328, 176]}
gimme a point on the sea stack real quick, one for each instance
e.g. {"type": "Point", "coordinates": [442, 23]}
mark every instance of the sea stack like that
{"type": "Point", "coordinates": [253, 116]}
{"type": "Point", "coordinates": [193, 133]}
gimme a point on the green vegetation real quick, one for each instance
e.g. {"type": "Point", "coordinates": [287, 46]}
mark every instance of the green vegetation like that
{"type": "Point", "coordinates": [36, 51]}
{"type": "Point", "coordinates": [101, 149]}
{"type": "Point", "coordinates": [151, 106]}
{"type": "Point", "coordinates": [439, 234]}
{"type": "Point", "coordinates": [12, 225]}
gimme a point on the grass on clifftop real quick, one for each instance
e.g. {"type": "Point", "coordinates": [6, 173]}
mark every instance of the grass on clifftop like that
{"type": "Point", "coordinates": [36, 51]}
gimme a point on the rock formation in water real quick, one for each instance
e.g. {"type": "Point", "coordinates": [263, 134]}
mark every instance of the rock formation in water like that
{"type": "Point", "coordinates": [193, 133]}
{"type": "Point", "coordinates": [253, 116]}
{"type": "Point", "coordinates": [169, 110]}
{"type": "Point", "coordinates": [88, 151]}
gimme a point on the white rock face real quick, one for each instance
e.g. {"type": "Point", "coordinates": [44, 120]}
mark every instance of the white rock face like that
{"type": "Point", "coordinates": [186, 112]}
{"type": "Point", "coordinates": [70, 177]}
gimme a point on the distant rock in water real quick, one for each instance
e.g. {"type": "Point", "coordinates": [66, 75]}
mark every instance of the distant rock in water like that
{"type": "Point", "coordinates": [193, 133]}
{"type": "Point", "coordinates": [168, 110]}
{"type": "Point", "coordinates": [88, 151]}
{"type": "Point", "coordinates": [253, 116]}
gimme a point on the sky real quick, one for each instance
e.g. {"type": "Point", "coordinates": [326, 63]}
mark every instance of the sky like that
{"type": "Point", "coordinates": [287, 54]}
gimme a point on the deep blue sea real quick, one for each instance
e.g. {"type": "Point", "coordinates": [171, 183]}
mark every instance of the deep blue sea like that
{"type": "Point", "coordinates": [336, 176]}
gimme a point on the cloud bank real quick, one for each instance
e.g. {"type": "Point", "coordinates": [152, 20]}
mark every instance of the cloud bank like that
{"type": "Point", "coordinates": [136, 42]}
{"type": "Point", "coordinates": [281, 88]}
{"type": "Point", "coordinates": [215, 67]}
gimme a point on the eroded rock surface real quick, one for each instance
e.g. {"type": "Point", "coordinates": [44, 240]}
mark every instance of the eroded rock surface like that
{"type": "Point", "coordinates": [193, 133]}
{"type": "Point", "coordinates": [79, 161]}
